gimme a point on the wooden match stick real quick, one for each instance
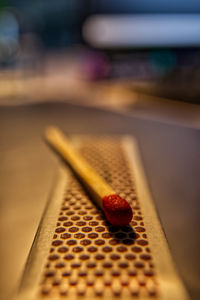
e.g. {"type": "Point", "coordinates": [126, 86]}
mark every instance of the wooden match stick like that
{"type": "Point", "coordinates": [117, 210]}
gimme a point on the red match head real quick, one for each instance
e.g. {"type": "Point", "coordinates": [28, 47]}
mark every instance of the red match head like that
{"type": "Point", "coordinates": [117, 210]}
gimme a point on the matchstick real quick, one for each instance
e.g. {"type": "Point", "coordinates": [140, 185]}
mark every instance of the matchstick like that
{"type": "Point", "coordinates": [117, 210]}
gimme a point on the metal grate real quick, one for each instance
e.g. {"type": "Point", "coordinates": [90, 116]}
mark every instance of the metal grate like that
{"type": "Point", "coordinates": [88, 257]}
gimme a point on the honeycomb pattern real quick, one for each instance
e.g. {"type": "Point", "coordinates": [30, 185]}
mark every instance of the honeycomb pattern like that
{"type": "Point", "coordinates": [88, 256]}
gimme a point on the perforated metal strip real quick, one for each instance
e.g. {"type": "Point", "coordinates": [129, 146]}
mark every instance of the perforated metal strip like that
{"type": "Point", "coordinates": [87, 256]}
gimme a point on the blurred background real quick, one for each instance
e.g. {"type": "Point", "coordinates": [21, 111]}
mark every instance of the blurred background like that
{"type": "Point", "coordinates": [116, 47]}
{"type": "Point", "coordinates": [100, 67]}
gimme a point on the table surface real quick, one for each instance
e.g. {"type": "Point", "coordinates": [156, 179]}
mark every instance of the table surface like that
{"type": "Point", "coordinates": [171, 160]}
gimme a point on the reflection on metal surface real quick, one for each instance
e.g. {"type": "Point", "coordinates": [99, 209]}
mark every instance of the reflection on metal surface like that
{"type": "Point", "coordinates": [78, 253]}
